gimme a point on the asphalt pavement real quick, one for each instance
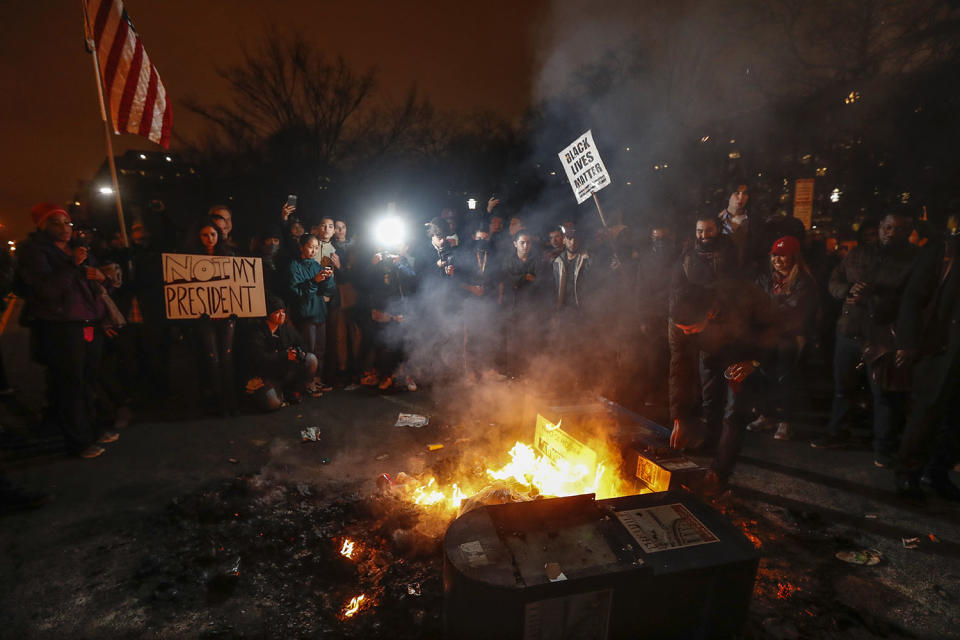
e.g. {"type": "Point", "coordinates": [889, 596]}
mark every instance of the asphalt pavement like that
{"type": "Point", "coordinates": [66, 568]}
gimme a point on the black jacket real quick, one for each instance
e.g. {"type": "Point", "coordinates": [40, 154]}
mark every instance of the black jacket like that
{"type": "Point", "coordinates": [929, 315]}
{"type": "Point", "coordinates": [264, 354]}
{"type": "Point", "coordinates": [798, 307]}
{"type": "Point", "coordinates": [886, 272]}
{"type": "Point", "coordinates": [746, 326]}
{"type": "Point", "coordinates": [518, 289]}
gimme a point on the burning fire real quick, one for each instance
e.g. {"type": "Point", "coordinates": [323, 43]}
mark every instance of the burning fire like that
{"type": "Point", "coordinates": [347, 549]}
{"type": "Point", "coordinates": [353, 606]}
{"type": "Point", "coordinates": [558, 466]}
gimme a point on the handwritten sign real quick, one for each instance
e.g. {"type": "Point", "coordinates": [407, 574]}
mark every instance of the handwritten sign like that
{"type": "Point", "coordinates": [218, 286]}
{"type": "Point", "coordinates": [584, 168]}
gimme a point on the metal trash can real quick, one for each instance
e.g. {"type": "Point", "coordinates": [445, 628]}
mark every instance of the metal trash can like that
{"type": "Point", "coordinates": [657, 565]}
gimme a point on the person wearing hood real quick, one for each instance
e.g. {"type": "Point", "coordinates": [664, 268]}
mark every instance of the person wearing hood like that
{"type": "Point", "coordinates": [64, 303]}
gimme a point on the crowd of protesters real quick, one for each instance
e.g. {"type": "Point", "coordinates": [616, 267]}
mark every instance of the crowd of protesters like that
{"type": "Point", "coordinates": [719, 317]}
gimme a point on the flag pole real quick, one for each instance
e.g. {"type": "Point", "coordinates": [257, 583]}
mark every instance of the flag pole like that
{"type": "Point", "coordinates": [92, 47]}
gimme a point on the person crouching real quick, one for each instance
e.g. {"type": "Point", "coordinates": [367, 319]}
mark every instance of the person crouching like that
{"type": "Point", "coordinates": [278, 370]}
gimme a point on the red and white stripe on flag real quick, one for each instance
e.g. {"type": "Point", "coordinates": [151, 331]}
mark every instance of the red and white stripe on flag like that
{"type": "Point", "coordinates": [138, 101]}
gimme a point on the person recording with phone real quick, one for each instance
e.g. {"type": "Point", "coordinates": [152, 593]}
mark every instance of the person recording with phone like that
{"type": "Point", "coordinates": [308, 286]}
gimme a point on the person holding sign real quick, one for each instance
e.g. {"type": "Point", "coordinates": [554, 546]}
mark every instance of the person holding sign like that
{"type": "Point", "coordinates": [308, 284]}
{"type": "Point", "coordinates": [215, 337]}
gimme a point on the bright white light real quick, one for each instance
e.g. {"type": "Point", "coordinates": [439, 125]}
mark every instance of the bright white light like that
{"type": "Point", "coordinates": [143, 156]}
{"type": "Point", "coordinates": [472, 204]}
{"type": "Point", "coordinates": [106, 191]}
{"type": "Point", "coordinates": [169, 159]}
{"type": "Point", "coordinates": [389, 232]}
{"type": "Point", "coordinates": [835, 196]}
{"type": "Point", "coordinates": [10, 242]}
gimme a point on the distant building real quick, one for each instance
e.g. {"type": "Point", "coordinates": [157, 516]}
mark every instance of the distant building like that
{"type": "Point", "coordinates": [150, 182]}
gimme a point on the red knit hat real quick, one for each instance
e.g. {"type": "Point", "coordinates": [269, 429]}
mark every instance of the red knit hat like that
{"type": "Point", "coordinates": [44, 210]}
{"type": "Point", "coordinates": [785, 246]}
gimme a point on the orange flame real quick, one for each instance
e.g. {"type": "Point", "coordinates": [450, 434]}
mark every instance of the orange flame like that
{"type": "Point", "coordinates": [353, 606]}
{"type": "Point", "coordinates": [575, 471]}
{"type": "Point", "coordinates": [347, 549]}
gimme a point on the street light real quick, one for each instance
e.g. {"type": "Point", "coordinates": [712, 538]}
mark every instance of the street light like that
{"type": "Point", "coordinates": [106, 191]}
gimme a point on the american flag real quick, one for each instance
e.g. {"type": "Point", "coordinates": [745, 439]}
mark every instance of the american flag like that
{"type": "Point", "coordinates": [138, 101]}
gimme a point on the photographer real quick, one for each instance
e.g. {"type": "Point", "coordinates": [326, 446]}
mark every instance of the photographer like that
{"type": "Point", "coordinates": [276, 367]}
{"type": "Point", "coordinates": [389, 280]}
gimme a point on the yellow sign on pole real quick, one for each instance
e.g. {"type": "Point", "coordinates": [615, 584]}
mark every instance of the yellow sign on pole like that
{"type": "Point", "coordinates": [803, 201]}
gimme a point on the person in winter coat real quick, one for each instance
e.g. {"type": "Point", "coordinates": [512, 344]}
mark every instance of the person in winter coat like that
{"type": "Point", "coordinates": [791, 288]}
{"type": "Point", "coordinates": [870, 280]}
{"type": "Point", "coordinates": [214, 337]}
{"type": "Point", "coordinates": [65, 306]}
{"type": "Point", "coordinates": [723, 332]}
{"type": "Point", "coordinates": [276, 367]}
{"type": "Point", "coordinates": [928, 331]}
{"type": "Point", "coordinates": [308, 284]}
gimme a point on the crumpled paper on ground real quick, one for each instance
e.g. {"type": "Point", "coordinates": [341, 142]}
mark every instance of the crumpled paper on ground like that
{"type": "Point", "coordinates": [411, 420]}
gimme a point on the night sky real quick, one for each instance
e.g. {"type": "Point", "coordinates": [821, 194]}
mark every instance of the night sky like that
{"type": "Point", "coordinates": [463, 56]}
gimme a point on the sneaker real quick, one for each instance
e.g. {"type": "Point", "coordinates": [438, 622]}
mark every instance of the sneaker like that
{"type": "Point", "coordinates": [784, 432]}
{"type": "Point", "coordinates": [411, 384]}
{"type": "Point", "coordinates": [831, 441]}
{"type": "Point", "coordinates": [370, 379]}
{"type": "Point", "coordinates": [760, 424]}
{"type": "Point", "coordinates": [386, 383]}
{"type": "Point", "coordinates": [91, 452]}
{"type": "Point", "coordinates": [107, 437]}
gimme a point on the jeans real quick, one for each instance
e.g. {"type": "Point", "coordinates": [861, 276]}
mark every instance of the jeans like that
{"type": "Point", "coordinates": [216, 338]}
{"type": "Point", "coordinates": [72, 362]}
{"type": "Point", "coordinates": [888, 406]}
{"type": "Point", "coordinates": [713, 392]}
{"type": "Point", "coordinates": [736, 415]}
{"type": "Point", "coordinates": [314, 336]}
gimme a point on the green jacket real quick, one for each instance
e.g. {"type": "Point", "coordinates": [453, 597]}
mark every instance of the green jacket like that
{"type": "Point", "coordinates": [306, 294]}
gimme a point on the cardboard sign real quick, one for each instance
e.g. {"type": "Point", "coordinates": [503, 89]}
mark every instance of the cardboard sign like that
{"type": "Point", "coordinates": [558, 445]}
{"type": "Point", "coordinates": [218, 286]}
{"type": "Point", "coordinates": [803, 201]}
{"type": "Point", "coordinates": [584, 168]}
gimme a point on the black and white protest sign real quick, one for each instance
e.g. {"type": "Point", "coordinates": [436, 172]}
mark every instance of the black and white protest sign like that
{"type": "Point", "coordinates": [584, 168]}
{"type": "Point", "coordinates": [218, 286]}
